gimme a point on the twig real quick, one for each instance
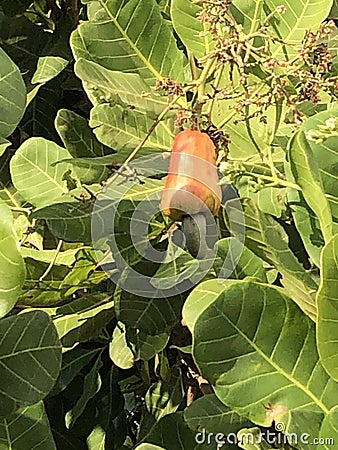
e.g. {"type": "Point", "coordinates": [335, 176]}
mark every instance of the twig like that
{"type": "Point", "coordinates": [51, 264]}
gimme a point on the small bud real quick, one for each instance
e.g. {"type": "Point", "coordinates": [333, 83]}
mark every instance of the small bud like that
{"type": "Point", "coordinates": [281, 9]}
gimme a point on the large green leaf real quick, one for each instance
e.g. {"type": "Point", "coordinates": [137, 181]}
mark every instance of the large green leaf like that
{"type": "Point", "coordinates": [12, 268]}
{"type": "Point", "coordinates": [249, 14]}
{"type": "Point", "coordinates": [256, 348]}
{"type": "Point", "coordinates": [306, 174]}
{"type": "Point", "coordinates": [209, 413]}
{"type": "Point", "coordinates": [121, 129]}
{"type": "Point", "coordinates": [13, 95]}
{"type": "Point", "coordinates": [290, 27]}
{"type": "Point", "coordinates": [327, 301]}
{"type": "Point", "coordinates": [153, 316]}
{"type": "Point", "coordinates": [248, 264]}
{"type": "Point", "coordinates": [30, 359]}
{"type": "Point", "coordinates": [70, 221]}
{"type": "Point", "coordinates": [130, 36]}
{"type": "Point", "coordinates": [267, 239]}
{"type": "Point", "coordinates": [103, 85]}
{"type": "Point", "coordinates": [325, 152]}
{"type": "Point", "coordinates": [34, 174]}
{"type": "Point", "coordinates": [328, 432]}
{"type": "Point", "coordinates": [192, 31]}
{"type": "Point", "coordinates": [27, 429]}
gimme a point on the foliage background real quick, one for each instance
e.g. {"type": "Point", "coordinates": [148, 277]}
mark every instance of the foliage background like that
{"type": "Point", "coordinates": [85, 88]}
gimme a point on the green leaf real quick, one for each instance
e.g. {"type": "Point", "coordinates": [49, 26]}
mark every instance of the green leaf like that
{"type": "Point", "coordinates": [3, 145]}
{"type": "Point", "coordinates": [73, 361]}
{"type": "Point", "coordinates": [81, 142]}
{"type": "Point", "coordinates": [267, 239]}
{"type": "Point", "coordinates": [47, 292]}
{"type": "Point", "coordinates": [306, 174]}
{"type": "Point", "coordinates": [34, 174]}
{"type": "Point", "coordinates": [40, 114]}
{"type": "Point", "coordinates": [91, 385]}
{"type": "Point", "coordinates": [172, 433]}
{"type": "Point", "coordinates": [66, 257]}
{"type": "Point", "coordinates": [133, 37]}
{"type": "Point", "coordinates": [153, 316]}
{"type": "Point", "coordinates": [27, 428]}
{"type": "Point", "coordinates": [120, 129]}
{"type": "Point", "coordinates": [12, 268]}
{"type": "Point", "coordinates": [193, 33]}
{"type": "Point", "coordinates": [327, 301]}
{"type": "Point", "coordinates": [96, 439]}
{"type": "Point", "coordinates": [119, 351]}
{"type": "Point", "coordinates": [149, 447]}
{"type": "Point", "coordinates": [300, 15]}
{"type": "Point", "coordinates": [325, 152]}
{"type": "Point", "coordinates": [164, 397]}
{"type": "Point", "coordinates": [48, 68]}
{"type": "Point", "coordinates": [178, 267]}
{"type": "Point", "coordinates": [249, 14]}
{"type": "Point", "coordinates": [306, 222]}
{"type": "Point", "coordinates": [200, 299]}
{"type": "Point", "coordinates": [30, 359]}
{"type": "Point", "coordinates": [248, 264]}
{"type": "Point", "coordinates": [83, 318]}
{"type": "Point", "coordinates": [268, 356]}
{"type": "Point", "coordinates": [77, 136]}
{"type": "Point", "coordinates": [13, 95]}
{"type": "Point", "coordinates": [209, 413]}
{"type": "Point", "coordinates": [103, 85]}
{"type": "Point", "coordinates": [69, 221]}
{"type": "Point", "coordinates": [328, 432]}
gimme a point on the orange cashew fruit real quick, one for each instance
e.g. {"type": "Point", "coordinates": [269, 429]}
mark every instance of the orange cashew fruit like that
{"type": "Point", "coordinates": [192, 190]}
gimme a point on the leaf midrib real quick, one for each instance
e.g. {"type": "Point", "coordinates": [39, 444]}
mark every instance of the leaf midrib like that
{"type": "Point", "coordinates": [273, 364]}
{"type": "Point", "coordinates": [129, 41]}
